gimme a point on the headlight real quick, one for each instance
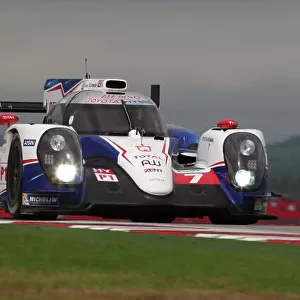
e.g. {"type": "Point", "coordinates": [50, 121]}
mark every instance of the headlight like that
{"type": "Point", "coordinates": [66, 173]}
{"type": "Point", "coordinates": [245, 161]}
{"type": "Point", "coordinates": [59, 153]}
{"type": "Point", "coordinates": [57, 142]}
{"type": "Point", "coordinates": [247, 147]}
{"type": "Point", "coordinates": [244, 178]}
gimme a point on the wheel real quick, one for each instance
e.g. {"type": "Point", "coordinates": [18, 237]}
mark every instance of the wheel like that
{"type": "Point", "coordinates": [153, 219]}
{"type": "Point", "coordinates": [14, 184]}
{"type": "Point", "coordinates": [232, 220]}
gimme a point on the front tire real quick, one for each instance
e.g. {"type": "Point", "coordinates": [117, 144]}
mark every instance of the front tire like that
{"type": "Point", "coordinates": [15, 178]}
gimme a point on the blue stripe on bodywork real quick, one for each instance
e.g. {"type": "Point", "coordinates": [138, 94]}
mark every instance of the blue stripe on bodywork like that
{"type": "Point", "coordinates": [95, 146]}
{"type": "Point", "coordinates": [235, 196]}
{"type": "Point", "coordinates": [67, 84]}
{"type": "Point", "coordinates": [35, 182]}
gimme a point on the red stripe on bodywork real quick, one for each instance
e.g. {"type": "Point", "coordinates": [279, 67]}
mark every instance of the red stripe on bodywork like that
{"type": "Point", "coordinates": [164, 151]}
{"type": "Point", "coordinates": [60, 87]}
{"type": "Point", "coordinates": [27, 161]}
{"type": "Point", "coordinates": [196, 178]}
{"type": "Point", "coordinates": [123, 154]}
{"type": "Point", "coordinates": [218, 163]}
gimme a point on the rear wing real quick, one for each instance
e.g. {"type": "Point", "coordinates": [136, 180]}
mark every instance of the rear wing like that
{"type": "Point", "coordinates": [22, 107]}
{"type": "Point", "coordinates": [41, 107]}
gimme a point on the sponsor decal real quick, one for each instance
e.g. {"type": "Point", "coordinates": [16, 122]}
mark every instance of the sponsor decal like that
{"type": "Point", "coordinates": [100, 83]}
{"type": "Point", "coordinates": [157, 179]}
{"type": "Point", "coordinates": [147, 156]}
{"type": "Point", "coordinates": [149, 170]}
{"type": "Point", "coordinates": [151, 162]}
{"type": "Point", "coordinates": [143, 148]}
{"type": "Point", "coordinates": [8, 117]}
{"type": "Point", "coordinates": [51, 104]}
{"type": "Point", "coordinates": [3, 173]}
{"type": "Point", "coordinates": [91, 84]}
{"type": "Point", "coordinates": [39, 200]}
{"type": "Point", "coordinates": [29, 143]}
{"type": "Point", "coordinates": [208, 139]}
{"type": "Point", "coordinates": [107, 175]}
{"type": "Point", "coordinates": [260, 205]}
{"type": "Point", "coordinates": [124, 97]}
{"type": "Point", "coordinates": [104, 101]}
{"type": "Point", "coordinates": [118, 101]}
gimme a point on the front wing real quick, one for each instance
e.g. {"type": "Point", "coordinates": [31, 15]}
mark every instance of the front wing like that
{"type": "Point", "coordinates": [110, 192]}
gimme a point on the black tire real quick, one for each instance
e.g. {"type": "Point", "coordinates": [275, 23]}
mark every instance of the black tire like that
{"type": "Point", "coordinates": [14, 185]}
{"type": "Point", "coordinates": [233, 220]}
{"type": "Point", "coordinates": [153, 219]}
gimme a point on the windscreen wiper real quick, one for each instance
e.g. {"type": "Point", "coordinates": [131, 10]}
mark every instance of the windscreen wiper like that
{"type": "Point", "coordinates": [127, 114]}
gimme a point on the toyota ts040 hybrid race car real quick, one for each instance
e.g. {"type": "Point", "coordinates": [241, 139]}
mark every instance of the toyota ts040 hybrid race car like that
{"type": "Point", "coordinates": [104, 151]}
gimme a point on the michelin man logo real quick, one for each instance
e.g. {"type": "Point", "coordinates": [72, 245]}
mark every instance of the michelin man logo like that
{"type": "Point", "coordinates": [25, 199]}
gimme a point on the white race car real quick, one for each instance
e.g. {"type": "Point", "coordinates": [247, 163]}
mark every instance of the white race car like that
{"type": "Point", "coordinates": [104, 151]}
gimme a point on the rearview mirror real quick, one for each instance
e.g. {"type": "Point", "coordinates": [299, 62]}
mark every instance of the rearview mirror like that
{"type": "Point", "coordinates": [187, 156]}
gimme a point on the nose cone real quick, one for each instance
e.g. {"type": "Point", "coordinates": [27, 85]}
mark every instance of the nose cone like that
{"type": "Point", "coordinates": [159, 186]}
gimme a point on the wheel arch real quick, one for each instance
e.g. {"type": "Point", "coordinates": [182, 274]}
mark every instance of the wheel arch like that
{"type": "Point", "coordinates": [29, 132]}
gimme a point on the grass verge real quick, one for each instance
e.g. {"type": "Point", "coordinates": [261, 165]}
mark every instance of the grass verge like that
{"type": "Point", "coordinates": [46, 260]}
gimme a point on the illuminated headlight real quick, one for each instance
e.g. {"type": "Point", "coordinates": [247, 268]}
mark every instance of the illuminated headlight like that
{"type": "Point", "coordinates": [247, 147]}
{"type": "Point", "coordinates": [244, 178]}
{"type": "Point", "coordinates": [60, 156]}
{"type": "Point", "coordinates": [66, 173]}
{"type": "Point", "coordinates": [57, 142]}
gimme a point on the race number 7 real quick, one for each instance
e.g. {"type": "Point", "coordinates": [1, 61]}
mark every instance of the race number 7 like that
{"type": "Point", "coordinates": [196, 177]}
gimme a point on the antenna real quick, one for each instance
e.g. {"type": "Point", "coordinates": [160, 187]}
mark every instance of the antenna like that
{"type": "Point", "coordinates": [87, 75]}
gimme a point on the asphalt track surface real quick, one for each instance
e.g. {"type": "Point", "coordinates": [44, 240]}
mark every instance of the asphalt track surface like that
{"type": "Point", "coordinates": [251, 233]}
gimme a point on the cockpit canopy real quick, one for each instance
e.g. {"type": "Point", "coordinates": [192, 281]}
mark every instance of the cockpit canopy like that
{"type": "Point", "coordinates": [98, 117]}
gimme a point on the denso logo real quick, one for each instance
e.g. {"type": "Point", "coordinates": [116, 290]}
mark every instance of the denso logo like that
{"type": "Point", "coordinates": [121, 96]}
{"type": "Point", "coordinates": [147, 156]}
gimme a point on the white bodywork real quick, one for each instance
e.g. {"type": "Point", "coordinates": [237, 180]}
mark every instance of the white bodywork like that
{"type": "Point", "coordinates": [149, 165]}
{"type": "Point", "coordinates": [210, 148]}
{"type": "Point", "coordinates": [145, 160]}
{"type": "Point", "coordinates": [53, 95]}
{"type": "Point", "coordinates": [26, 132]}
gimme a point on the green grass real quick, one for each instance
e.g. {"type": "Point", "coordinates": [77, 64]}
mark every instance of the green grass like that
{"type": "Point", "coordinates": [78, 259]}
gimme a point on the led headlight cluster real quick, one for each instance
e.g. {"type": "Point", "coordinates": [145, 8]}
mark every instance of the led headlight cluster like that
{"type": "Point", "coordinates": [59, 153]}
{"type": "Point", "coordinates": [245, 160]}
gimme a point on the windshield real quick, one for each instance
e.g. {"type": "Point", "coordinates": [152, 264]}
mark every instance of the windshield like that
{"type": "Point", "coordinates": [112, 120]}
